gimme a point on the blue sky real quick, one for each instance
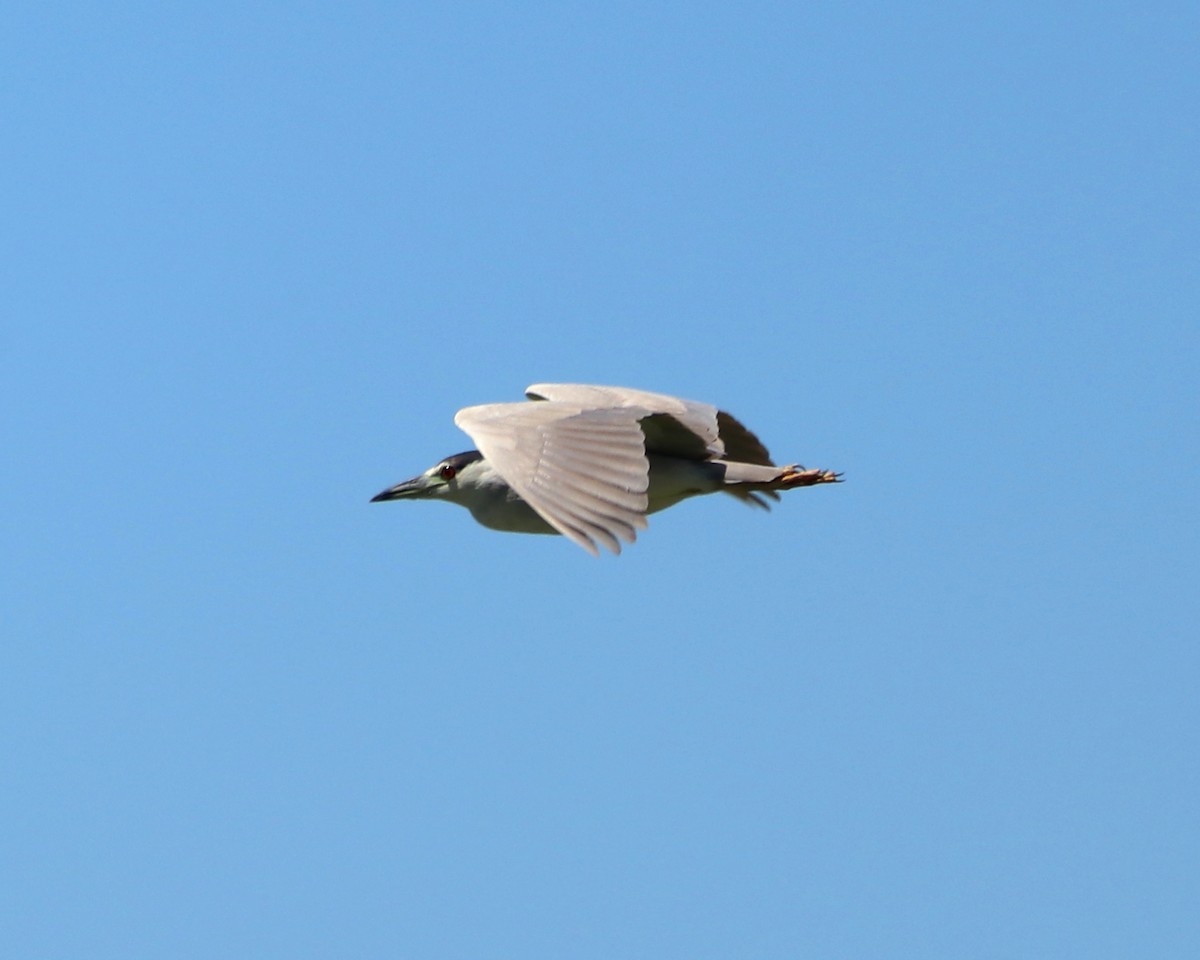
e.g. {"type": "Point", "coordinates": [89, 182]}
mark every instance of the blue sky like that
{"type": "Point", "coordinates": [255, 259]}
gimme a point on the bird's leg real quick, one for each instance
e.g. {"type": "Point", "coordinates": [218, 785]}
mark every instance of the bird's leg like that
{"type": "Point", "coordinates": [797, 476]}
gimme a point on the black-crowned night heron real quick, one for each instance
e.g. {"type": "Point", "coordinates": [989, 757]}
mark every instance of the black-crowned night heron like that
{"type": "Point", "coordinates": [592, 462]}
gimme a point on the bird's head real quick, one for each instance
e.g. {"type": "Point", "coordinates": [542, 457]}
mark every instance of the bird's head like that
{"type": "Point", "coordinates": [441, 481]}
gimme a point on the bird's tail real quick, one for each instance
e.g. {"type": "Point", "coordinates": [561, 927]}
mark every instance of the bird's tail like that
{"type": "Point", "coordinates": [754, 484]}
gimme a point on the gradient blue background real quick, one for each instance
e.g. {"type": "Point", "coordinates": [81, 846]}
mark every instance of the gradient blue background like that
{"type": "Point", "coordinates": [255, 257]}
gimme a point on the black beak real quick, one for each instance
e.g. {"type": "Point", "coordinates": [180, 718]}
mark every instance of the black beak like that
{"type": "Point", "coordinates": [400, 490]}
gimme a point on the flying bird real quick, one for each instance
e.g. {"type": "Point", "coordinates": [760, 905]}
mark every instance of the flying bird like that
{"type": "Point", "coordinates": [591, 462]}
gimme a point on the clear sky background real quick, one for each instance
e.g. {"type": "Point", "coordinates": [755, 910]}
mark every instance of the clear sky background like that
{"type": "Point", "coordinates": [255, 258]}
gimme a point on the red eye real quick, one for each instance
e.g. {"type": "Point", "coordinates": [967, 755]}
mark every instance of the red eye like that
{"type": "Point", "coordinates": [447, 472]}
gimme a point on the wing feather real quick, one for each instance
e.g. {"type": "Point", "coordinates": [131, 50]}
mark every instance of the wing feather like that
{"type": "Point", "coordinates": [698, 419]}
{"type": "Point", "coordinates": [599, 515]}
{"type": "Point", "coordinates": [583, 470]}
{"type": "Point", "coordinates": [739, 443]}
{"type": "Point", "coordinates": [681, 428]}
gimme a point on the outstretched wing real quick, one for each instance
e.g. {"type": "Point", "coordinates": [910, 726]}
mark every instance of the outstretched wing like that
{"type": "Point", "coordinates": [681, 428]}
{"type": "Point", "coordinates": [706, 431]}
{"type": "Point", "coordinates": [583, 470]}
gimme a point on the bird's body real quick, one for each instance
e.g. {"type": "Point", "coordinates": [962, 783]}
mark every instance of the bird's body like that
{"type": "Point", "coordinates": [497, 505]}
{"type": "Point", "coordinates": [591, 462]}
